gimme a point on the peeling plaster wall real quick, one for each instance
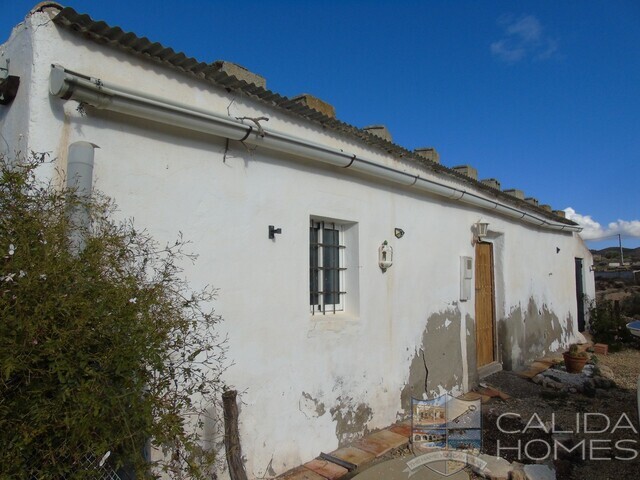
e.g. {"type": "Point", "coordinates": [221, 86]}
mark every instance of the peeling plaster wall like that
{"type": "Point", "coordinates": [470, 342]}
{"type": "Point", "coordinates": [441, 353]}
{"type": "Point", "coordinates": [538, 313]}
{"type": "Point", "coordinates": [532, 332]}
{"type": "Point", "coordinates": [308, 383]}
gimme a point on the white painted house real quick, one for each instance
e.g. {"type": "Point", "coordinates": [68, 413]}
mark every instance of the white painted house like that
{"type": "Point", "coordinates": [344, 262]}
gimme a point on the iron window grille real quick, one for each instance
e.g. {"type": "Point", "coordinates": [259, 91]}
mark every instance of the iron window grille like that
{"type": "Point", "coordinates": [326, 267]}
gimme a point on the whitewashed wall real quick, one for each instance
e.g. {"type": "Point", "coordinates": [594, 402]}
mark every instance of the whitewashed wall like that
{"type": "Point", "coordinates": [299, 375]}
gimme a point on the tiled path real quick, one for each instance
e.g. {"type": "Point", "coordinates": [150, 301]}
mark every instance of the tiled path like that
{"type": "Point", "coordinates": [338, 463]}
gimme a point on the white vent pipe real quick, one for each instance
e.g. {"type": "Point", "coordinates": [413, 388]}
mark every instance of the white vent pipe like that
{"type": "Point", "coordinates": [69, 85]}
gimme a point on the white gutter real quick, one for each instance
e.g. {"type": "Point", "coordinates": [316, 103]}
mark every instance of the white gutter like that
{"type": "Point", "coordinates": [69, 85]}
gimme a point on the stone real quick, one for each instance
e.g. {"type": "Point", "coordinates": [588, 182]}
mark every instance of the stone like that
{"type": "Point", "coordinates": [517, 475]}
{"type": "Point", "coordinates": [602, 382]}
{"type": "Point", "coordinates": [539, 472]}
{"type": "Point", "coordinates": [606, 372]}
{"type": "Point", "coordinates": [497, 468]}
{"type": "Point", "coordinates": [538, 379]}
{"type": "Point", "coordinates": [518, 472]}
{"type": "Point", "coordinates": [555, 385]}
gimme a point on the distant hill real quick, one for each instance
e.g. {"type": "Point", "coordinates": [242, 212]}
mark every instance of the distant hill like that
{"type": "Point", "coordinates": [603, 257]}
{"type": "Point", "coordinates": [625, 251]}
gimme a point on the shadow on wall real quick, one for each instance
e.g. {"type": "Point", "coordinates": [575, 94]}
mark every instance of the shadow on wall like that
{"type": "Point", "coordinates": [526, 335]}
{"type": "Point", "coordinates": [440, 353]}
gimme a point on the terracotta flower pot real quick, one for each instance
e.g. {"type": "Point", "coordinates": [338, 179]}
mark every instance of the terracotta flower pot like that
{"type": "Point", "coordinates": [574, 364]}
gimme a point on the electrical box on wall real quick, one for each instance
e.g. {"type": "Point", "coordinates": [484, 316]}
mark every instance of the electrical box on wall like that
{"type": "Point", "coordinates": [466, 274]}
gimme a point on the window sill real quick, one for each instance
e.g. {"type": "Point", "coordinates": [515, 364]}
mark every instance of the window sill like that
{"type": "Point", "coordinates": [334, 322]}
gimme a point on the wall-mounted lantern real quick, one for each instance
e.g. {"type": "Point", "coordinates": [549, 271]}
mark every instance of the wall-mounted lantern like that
{"type": "Point", "coordinates": [385, 256]}
{"type": "Point", "coordinates": [398, 232]}
{"type": "Point", "coordinates": [480, 229]}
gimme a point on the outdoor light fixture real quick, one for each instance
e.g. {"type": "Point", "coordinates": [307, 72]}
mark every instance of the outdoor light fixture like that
{"type": "Point", "coordinates": [481, 229]}
{"type": "Point", "coordinates": [385, 256]}
{"type": "Point", "coordinates": [398, 232]}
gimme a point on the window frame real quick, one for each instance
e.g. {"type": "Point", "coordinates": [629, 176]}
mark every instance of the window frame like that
{"type": "Point", "coordinates": [320, 305]}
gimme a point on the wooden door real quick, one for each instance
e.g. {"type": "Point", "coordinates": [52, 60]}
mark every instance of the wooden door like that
{"type": "Point", "coordinates": [580, 294]}
{"type": "Point", "coordinates": [485, 318]}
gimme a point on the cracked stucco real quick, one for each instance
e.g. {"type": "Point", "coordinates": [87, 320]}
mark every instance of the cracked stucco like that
{"type": "Point", "coordinates": [441, 351]}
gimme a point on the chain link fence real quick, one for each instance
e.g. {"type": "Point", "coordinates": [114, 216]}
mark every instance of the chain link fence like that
{"type": "Point", "coordinates": [95, 468]}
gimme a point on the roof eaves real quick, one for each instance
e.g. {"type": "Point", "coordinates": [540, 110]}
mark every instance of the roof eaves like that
{"type": "Point", "coordinates": [101, 32]}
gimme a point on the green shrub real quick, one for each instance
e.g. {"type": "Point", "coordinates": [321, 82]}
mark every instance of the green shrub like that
{"type": "Point", "coordinates": [630, 306]}
{"type": "Point", "coordinates": [607, 325]}
{"type": "Point", "coordinates": [104, 349]}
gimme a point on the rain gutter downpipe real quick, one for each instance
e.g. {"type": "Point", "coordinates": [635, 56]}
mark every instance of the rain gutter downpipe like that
{"type": "Point", "coordinates": [80, 159]}
{"type": "Point", "coordinates": [69, 85]}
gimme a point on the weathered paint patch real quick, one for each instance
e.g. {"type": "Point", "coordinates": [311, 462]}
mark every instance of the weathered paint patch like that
{"type": "Point", "coordinates": [310, 406]}
{"type": "Point", "coordinates": [351, 419]}
{"type": "Point", "coordinates": [527, 334]}
{"type": "Point", "coordinates": [440, 352]}
{"type": "Point", "coordinates": [472, 361]}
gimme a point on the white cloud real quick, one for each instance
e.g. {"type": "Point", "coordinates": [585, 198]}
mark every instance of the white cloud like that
{"type": "Point", "coordinates": [523, 37]}
{"type": "Point", "coordinates": [527, 28]}
{"type": "Point", "coordinates": [593, 230]}
{"type": "Point", "coordinates": [507, 52]}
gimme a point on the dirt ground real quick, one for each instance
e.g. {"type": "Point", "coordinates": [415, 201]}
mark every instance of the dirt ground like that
{"type": "Point", "coordinates": [609, 453]}
{"type": "Point", "coordinates": [567, 413]}
{"type": "Point", "coordinates": [615, 290]}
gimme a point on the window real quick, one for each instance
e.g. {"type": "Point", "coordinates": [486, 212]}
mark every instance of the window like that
{"type": "Point", "coordinates": [326, 267]}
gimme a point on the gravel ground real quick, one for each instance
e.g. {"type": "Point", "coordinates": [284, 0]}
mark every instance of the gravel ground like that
{"type": "Point", "coordinates": [564, 410]}
{"type": "Point", "coordinates": [626, 366]}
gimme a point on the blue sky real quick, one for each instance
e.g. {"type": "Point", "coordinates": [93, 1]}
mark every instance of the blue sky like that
{"type": "Point", "coordinates": [542, 95]}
